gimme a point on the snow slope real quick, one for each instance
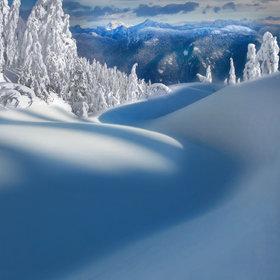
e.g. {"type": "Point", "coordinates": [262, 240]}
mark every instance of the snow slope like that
{"type": "Point", "coordinates": [182, 96]}
{"type": "Point", "coordinates": [241, 120]}
{"type": "Point", "coordinates": [89, 200]}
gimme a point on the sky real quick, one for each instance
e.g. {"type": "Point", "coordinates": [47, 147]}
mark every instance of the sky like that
{"type": "Point", "coordinates": [91, 13]}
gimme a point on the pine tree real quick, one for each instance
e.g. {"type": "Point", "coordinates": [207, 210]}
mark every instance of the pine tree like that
{"type": "Point", "coordinates": [61, 52]}
{"type": "Point", "coordinates": [2, 61]}
{"type": "Point", "coordinates": [49, 63]}
{"type": "Point", "coordinates": [252, 68]}
{"type": "Point", "coordinates": [4, 13]}
{"type": "Point", "coordinates": [232, 75]}
{"type": "Point", "coordinates": [133, 83]}
{"type": "Point", "coordinates": [79, 89]}
{"type": "Point", "coordinates": [207, 78]}
{"type": "Point", "coordinates": [11, 33]}
{"type": "Point", "coordinates": [51, 26]}
{"type": "Point", "coordinates": [268, 54]}
{"type": "Point", "coordinates": [209, 74]}
{"type": "Point", "coordinates": [34, 74]}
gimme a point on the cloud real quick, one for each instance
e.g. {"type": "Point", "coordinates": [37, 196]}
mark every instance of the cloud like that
{"type": "Point", "coordinates": [78, 10]}
{"type": "Point", "coordinates": [75, 9]}
{"type": "Point", "coordinates": [232, 6]}
{"type": "Point", "coordinates": [74, 6]}
{"type": "Point", "coordinates": [268, 1]}
{"type": "Point", "coordinates": [216, 9]}
{"type": "Point", "coordinates": [147, 10]}
{"type": "Point", "coordinates": [229, 6]}
{"type": "Point", "coordinates": [271, 18]}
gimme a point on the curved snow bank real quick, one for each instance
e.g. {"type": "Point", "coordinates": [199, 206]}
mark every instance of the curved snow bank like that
{"type": "Point", "coordinates": [241, 120]}
{"type": "Point", "coordinates": [237, 239]}
{"type": "Point", "coordinates": [176, 212]}
{"type": "Point", "coordinates": [82, 191]}
{"type": "Point", "coordinates": [137, 113]}
{"type": "Point", "coordinates": [107, 155]}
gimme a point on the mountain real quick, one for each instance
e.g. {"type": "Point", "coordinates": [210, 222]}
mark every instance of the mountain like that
{"type": "Point", "coordinates": [172, 54]}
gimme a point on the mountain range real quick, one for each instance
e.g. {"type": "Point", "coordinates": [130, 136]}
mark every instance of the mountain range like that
{"type": "Point", "coordinates": [172, 54]}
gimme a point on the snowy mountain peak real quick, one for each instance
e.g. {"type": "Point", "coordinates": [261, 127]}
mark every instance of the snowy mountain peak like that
{"type": "Point", "coordinates": [115, 24]}
{"type": "Point", "coordinates": [151, 23]}
{"type": "Point", "coordinates": [237, 29]}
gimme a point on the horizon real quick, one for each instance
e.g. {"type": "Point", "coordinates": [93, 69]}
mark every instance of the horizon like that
{"type": "Point", "coordinates": [181, 24]}
{"type": "Point", "coordinates": [92, 13]}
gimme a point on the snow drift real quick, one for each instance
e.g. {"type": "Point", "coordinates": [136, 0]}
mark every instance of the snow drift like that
{"type": "Point", "coordinates": [241, 120]}
{"type": "Point", "coordinates": [89, 200]}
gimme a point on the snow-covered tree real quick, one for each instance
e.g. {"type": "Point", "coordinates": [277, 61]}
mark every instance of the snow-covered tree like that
{"type": "Point", "coordinates": [61, 51]}
{"type": "Point", "coordinates": [49, 64]}
{"type": "Point", "coordinates": [79, 87]}
{"type": "Point", "coordinates": [4, 13]}
{"type": "Point", "coordinates": [133, 83]}
{"type": "Point", "coordinates": [34, 73]}
{"type": "Point", "coordinates": [231, 80]}
{"type": "Point", "coordinates": [207, 78]}
{"type": "Point", "coordinates": [11, 33]}
{"type": "Point", "coordinates": [268, 55]}
{"type": "Point", "coordinates": [50, 26]}
{"type": "Point", "coordinates": [252, 68]}
{"type": "Point", "coordinates": [232, 76]}
{"type": "Point", "coordinates": [2, 61]}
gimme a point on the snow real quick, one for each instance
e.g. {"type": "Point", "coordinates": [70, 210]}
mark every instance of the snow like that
{"type": "Point", "coordinates": [192, 194]}
{"type": "Point", "coordinates": [15, 95]}
{"type": "Point", "coordinates": [181, 96]}
{"type": "Point", "coordinates": [252, 68]}
{"type": "Point", "coordinates": [248, 131]}
{"type": "Point", "coordinates": [42, 55]}
{"type": "Point", "coordinates": [232, 80]}
{"type": "Point", "coordinates": [238, 29]}
{"type": "Point", "coordinates": [268, 54]}
{"type": "Point", "coordinates": [207, 78]}
{"type": "Point", "coordinates": [115, 24]}
{"type": "Point", "coordinates": [182, 186]}
{"type": "Point", "coordinates": [2, 78]}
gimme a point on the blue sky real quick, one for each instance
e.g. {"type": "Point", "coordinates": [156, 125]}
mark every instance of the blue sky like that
{"type": "Point", "coordinates": [100, 12]}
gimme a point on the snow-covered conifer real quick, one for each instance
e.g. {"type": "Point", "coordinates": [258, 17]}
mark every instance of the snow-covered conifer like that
{"type": "Point", "coordinates": [268, 55]}
{"type": "Point", "coordinates": [133, 83]}
{"type": "Point", "coordinates": [79, 89]}
{"type": "Point", "coordinates": [2, 61]}
{"type": "Point", "coordinates": [209, 74]}
{"type": "Point", "coordinates": [207, 78]}
{"type": "Point", "coordinates": [49, 63]}
{"type": "Point", "coordinates": [4, 10]}
{"type": "Point", "coordinates": [232, 75]}
{"type": "Point", "coordinates": [34, 74]}
{"type": "Point", "coordinates": [59, 52]}
{"type": "Point", "coordinates": [11, 33]}
{"type": "Point", "coordinates": [4, 13]}
{"type": "Point", "coordinates": [252, 68]}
